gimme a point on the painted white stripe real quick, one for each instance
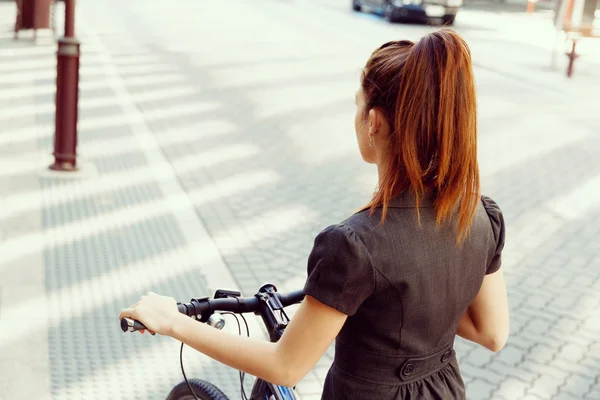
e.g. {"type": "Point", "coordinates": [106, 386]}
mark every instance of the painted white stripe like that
{"type": "Point", "coordinates": [91, 103]}
{"type": "Point", "coordinates": [177, 203]}
{"type": "Point", "coordinates": [117, 283]}
{"type": "Point", "coordinates": [579, 202]}
{"type": "Point", "coordinates": [535, 138]}
{"type": "Point", "coordinates": [23, 201]}
{"type": "Point", "coordinates": [95, 293]}
{"type": "Point", "coordinates": [86, 85]}
{"type": "Point", "coordinates": [267, 224]}
{"type": "Point", "coordinates": [24, 77]}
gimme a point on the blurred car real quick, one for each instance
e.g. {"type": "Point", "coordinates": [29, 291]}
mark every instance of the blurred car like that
{"type": "Point", "coordinates": [412, 10]}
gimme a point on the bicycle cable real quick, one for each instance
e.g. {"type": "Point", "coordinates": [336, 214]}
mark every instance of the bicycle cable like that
{"type": "Point", "coordinates": [244, 397]}
{"type": "Point", "coordinates": [242, 374]}
{"type": "Point", "coordinates": [183, 372]}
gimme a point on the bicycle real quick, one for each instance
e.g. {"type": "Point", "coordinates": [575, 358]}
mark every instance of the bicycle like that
{"type": "Point", "coordinates": [267, 303]}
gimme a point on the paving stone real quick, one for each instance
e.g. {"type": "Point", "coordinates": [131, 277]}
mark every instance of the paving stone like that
{"type": "Point", "coordinates": [479, 389]}
{"type": "Point", "coordinates": [594, 349]}
{"type": "Point", "coordinates": [538, 326]}
{"type": "Point", "coordinates": [592, 325]}
{"type": "Point", "coordinates": [593, 395]}
{"type": "Point", "coordinates": [483, 374]}
{"type": "Point", "coordinates": [480, 356]}
{"type": "Point", "coordinates": [520, 324]}
{"type": "Point", "coordinates": [572, 353]}
{"type": "Point", "coordinates": [310, 387]}
{"type": "Point", "coordinates": [531, 397]}
{"type": "Point", "coordinates": [566, 396]}
{"type": "Point", "coordinates": [566, 325]}
{"type": "Point", "coordinates": [578, 385]}
{"type": "Point", "coordinates": [549, 339]}
{"type": "Point", "coordinates": [468, 381]}
{"type": "Point", "coordinates": [590, 364]}
{"type": "Point", "coordinates": [539, 301]}
{"type": "Point", "coordinates": [521, 342]}
{"type": "Point", "coordinates": [563, 302]}
{"type": "Point", "coordinates": [512, 388]}
{"type": "Point", "coordinates": [545, 386]}
{"type": "Point", "coordinates": [510, 356]}
{"type": "Point", "coordinates": [321, 373]}
{"type": "Point", "coordinates": [311, 397]}
{"type": "Point", "coordinates": [542, 354]}
{"type": "Point", "coordinates": [518, 372]}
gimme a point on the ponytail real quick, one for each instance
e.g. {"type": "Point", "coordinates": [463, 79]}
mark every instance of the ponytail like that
{"type": "Point", "coordinates": [429, 100]}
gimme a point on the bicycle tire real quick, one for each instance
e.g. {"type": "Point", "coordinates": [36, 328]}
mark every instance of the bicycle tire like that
{"type": "Point", "coordinates": [203, 389]}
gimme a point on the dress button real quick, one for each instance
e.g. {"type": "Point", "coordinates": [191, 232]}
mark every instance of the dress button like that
{"type": "Point", "coordinates": [408, 369]}
{"type": "Point", "coordinates": [446, 356]}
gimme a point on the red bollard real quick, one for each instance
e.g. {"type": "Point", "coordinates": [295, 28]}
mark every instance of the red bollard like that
{"type": "Point", "coordinates": [67, 95]}
{"type": "Point", "coordinates": [34, 14]}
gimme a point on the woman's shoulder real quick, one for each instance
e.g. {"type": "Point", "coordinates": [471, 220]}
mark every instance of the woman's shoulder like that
{"type": "Point", "coordinates": [340, 269]}
{"type": "Point", "coordinates": [496, 219]}
{"type": "Point", "coordinates": [489, 204]}
{"type": "Point", "coordinates": [360, 223]}
{"type": "Point", "coordinates": [351, 231]}
{"type": "Point", "coordinates": [494, 213]}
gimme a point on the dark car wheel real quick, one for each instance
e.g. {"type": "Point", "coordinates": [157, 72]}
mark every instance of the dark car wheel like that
{"type": "Point", "coordinates": [388, 13]}
{"type": "Point", "coordinates": [356, 5]}
{"type": "Point", "coordinates": [449, 19]}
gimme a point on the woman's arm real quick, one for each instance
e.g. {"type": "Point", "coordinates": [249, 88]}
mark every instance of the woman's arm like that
{"type": "Point", "coordinates": [486, 320]}
{"type": "Point", "coordinates": [305, 340]}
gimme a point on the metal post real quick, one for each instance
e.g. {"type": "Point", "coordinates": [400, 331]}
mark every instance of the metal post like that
{"type": "Point", "coordinates": [67, 95]}
{"type": "Point", "coordinates": [572, 56]}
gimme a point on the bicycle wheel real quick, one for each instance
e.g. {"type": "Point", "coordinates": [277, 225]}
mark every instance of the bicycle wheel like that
{"type": "Point", "coordinates": [204, 390]}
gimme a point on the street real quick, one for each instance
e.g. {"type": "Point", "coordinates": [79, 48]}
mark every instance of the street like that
{"type": "Point", "coordinates": [217, 139]}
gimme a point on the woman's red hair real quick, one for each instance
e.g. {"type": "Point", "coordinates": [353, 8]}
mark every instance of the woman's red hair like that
{"type": "Point", "coordinates": [426, 91]}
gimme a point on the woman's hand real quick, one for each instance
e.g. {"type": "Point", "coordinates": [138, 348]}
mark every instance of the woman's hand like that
{"type": "Point", "coordinates": [157, 313]}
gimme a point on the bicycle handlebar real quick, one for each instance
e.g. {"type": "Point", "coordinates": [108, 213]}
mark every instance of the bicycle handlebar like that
{"type": "Point", "coordinates": [238, 305]}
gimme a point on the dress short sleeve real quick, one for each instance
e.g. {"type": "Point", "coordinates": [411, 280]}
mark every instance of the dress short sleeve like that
{"type": "Point", "coordinates": [340, 270]}
{"type": "Point", "coordinates": [497, 220]}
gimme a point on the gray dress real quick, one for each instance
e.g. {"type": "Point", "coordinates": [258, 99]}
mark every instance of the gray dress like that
{"type": "Point", "coordinates": [404, 287]}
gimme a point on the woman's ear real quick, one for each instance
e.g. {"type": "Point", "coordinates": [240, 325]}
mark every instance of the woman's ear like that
{"type": "Point", "coordinates": [377, 123]}
{"type": "Point", "coordinates": [373, 121]}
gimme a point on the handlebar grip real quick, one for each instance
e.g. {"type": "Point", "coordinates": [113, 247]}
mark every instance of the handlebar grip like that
{"type": "Point", "coordinates": [131, 325]}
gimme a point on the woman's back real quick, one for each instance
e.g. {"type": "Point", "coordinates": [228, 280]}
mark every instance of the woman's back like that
{"type": "Point", "coordinates": [405, 286]}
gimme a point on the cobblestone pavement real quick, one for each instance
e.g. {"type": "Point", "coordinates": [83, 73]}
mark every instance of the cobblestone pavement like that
{"type": "Point", "coordinates": [217, 141]}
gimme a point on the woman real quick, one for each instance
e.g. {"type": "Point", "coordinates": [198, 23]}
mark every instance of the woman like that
{"type": "Point", "coordinates": [395, 282]}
